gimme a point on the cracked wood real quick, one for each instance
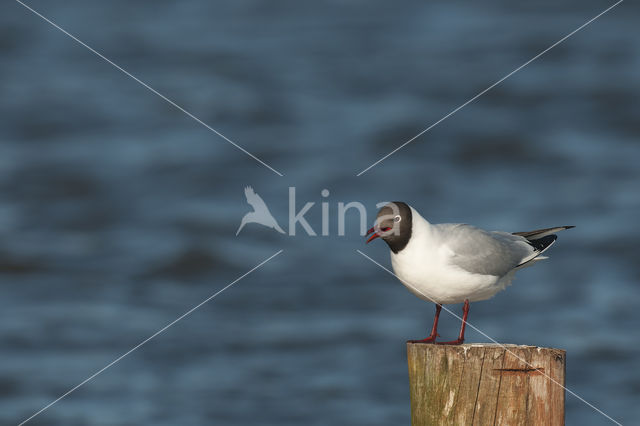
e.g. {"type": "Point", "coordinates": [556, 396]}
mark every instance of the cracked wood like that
{"type": "Point", "coordinates": [486, 384]}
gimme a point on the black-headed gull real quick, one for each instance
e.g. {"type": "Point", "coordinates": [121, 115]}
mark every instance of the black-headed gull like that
{"type": "Point", "coordinates": [454, 263]}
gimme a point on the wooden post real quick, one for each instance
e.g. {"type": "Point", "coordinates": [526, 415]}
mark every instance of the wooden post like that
{"type": "Point", "coordinates": [485, 384]}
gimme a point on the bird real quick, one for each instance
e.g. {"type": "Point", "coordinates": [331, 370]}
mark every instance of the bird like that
{"type": "Point", "coordinates": [454, 262]}
{"type": "Point", "coordinates": [260, 213]}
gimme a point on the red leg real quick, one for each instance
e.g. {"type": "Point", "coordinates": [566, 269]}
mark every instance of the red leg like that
{"type": "Point", "coordinates": [434, 329]}
{"type": "Point", "coordinates": [465, 314]}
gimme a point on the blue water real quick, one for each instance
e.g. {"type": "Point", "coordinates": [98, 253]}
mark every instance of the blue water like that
{"type": "Point", "coordinates": [118, 212]}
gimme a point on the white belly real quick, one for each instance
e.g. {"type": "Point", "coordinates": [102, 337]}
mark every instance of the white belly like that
{"type": "Point", "coordinates": [433, 279]}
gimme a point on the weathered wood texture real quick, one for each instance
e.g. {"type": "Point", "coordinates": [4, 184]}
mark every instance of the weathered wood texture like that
{"type": "Point", "coordinates": [486, 384]}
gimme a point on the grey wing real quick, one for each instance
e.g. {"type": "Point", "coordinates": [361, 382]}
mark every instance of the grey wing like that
{"type": "Point", "coordinates": [482, 252]}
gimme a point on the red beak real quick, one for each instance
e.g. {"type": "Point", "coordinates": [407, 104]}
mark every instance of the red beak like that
{"type": "Point", "coordinates": [376, 233]}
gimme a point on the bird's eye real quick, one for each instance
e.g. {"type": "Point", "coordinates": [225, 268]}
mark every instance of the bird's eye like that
{"type": "Point", "coordinates": [397, 218]}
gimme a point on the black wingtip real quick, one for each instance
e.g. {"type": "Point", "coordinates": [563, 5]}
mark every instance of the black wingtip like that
{"type": "Point", "coordinates": [541, 244]}
{"type": "Point", "coordinates": [569, 226]}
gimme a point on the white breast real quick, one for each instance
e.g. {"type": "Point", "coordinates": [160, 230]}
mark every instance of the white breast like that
{"type": "Point", "coordinates": [423, 266]}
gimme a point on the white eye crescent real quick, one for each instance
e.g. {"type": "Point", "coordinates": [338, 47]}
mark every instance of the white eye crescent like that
{"type": "Point", "coordinates": [397, 218]}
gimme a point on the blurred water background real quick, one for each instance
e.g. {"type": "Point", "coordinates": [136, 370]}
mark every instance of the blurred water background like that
{"type": "Point", "coordinates": [118, 212]}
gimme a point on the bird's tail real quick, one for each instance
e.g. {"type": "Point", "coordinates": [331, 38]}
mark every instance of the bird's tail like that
{"type": "Point", "coordinates": [540, 240]}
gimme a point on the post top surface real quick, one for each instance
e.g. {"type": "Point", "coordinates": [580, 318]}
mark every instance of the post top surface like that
{"type": "Point", "coordinates": [467, 346]}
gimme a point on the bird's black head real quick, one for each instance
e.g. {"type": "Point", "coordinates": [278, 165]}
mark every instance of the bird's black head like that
{"type": "Point", "coordinates": [393, 225]}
